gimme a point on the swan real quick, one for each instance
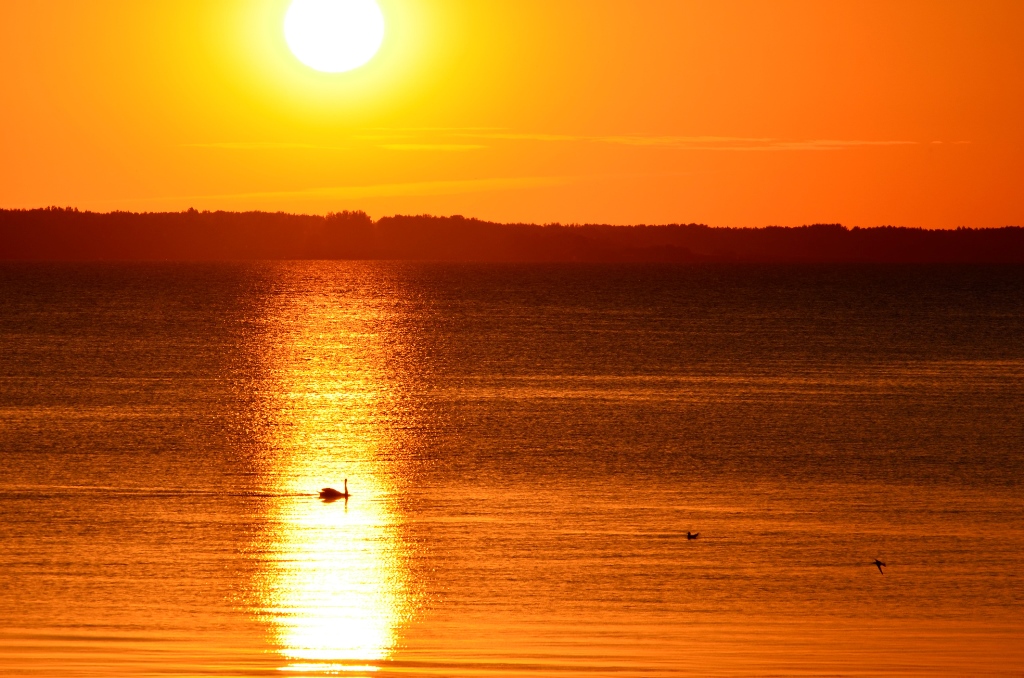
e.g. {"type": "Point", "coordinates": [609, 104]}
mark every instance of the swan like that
{"type": "Point", "coordinates": [330, 494]}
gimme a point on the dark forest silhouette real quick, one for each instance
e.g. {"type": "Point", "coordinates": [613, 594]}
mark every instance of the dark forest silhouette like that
{"type": "Point", "coordinates": [64, 234]}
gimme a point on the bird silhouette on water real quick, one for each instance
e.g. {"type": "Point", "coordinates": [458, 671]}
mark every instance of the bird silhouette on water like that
{"type": "Point", "coordinates": [879, 564]}
{"type": "Point", "coordinates": [692, 535]}
{"type": "Point", "coordinates": [331, 494]}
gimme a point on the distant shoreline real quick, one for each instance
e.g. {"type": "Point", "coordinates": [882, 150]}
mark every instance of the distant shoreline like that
{"type": "Point", "coordinates": [67, 234]}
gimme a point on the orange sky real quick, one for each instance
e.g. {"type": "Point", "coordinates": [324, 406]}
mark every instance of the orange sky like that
{"type": "Point", "coordinates": [647, 111]}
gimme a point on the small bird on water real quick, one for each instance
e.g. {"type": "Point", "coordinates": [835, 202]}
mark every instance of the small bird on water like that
{"type": "Point", "coordinates": [692, 535]}
{"type": "Point", "coordinates": [330, 494]}
{"type": "Point", "coordinates": [879, 564]}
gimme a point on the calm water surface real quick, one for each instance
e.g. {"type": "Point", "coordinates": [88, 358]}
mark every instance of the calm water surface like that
{"type": "Point", "coordinates": [526, 448]}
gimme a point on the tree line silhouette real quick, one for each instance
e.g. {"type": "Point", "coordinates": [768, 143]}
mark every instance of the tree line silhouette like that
{"type": "Point", "coordinates": [67, 234]}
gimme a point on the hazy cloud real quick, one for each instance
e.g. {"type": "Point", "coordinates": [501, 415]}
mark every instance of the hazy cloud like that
{"type": "Point", "coordinates": [410, 189]}
{"type": "Point", "coordinates": [700, 143]}
{"type": "Point", "coordinates": [258, 146]}
{"type": "Point", "coordinates": [441, 139]}
{"type": "Point", "coordinates": [432, 147]}
{"type": "Point", "coordinates": [434, 139]}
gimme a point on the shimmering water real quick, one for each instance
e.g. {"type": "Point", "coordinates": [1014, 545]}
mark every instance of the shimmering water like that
{"type": "Point", "coordinates": [526, 448]}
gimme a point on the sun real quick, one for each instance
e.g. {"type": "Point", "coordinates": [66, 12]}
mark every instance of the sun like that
{"type": "Point", "coordinates": [334, 36]}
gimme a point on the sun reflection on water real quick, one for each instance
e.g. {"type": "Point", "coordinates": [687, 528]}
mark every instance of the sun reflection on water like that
{"type": "Point", "coordinates": [334, 585]}
{"type": "Point", "coordinates": [335, 588]}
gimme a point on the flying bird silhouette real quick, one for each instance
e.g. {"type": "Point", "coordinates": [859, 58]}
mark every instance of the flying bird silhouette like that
{"type": "Point", "coordinates": [879, 564]}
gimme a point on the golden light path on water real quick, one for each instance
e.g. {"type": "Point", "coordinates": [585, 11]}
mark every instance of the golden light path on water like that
{"type": "Point", "coordinates": [334, 586]}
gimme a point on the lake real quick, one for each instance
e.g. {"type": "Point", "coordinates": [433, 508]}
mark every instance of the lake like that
{"type": "Point", "coordinates": [526, 448]}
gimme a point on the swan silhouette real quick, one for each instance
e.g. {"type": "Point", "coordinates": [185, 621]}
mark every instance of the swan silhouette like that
{"type": "Point", "coordinates": [331, 494]}
{"type": "Point", "coordinates": [879, 564]}
{"type": "Point", "coordinates": [692, 535]}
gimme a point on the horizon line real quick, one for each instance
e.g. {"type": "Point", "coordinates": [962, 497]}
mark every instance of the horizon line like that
{"type": "Point", "coordinates": [550, 224]}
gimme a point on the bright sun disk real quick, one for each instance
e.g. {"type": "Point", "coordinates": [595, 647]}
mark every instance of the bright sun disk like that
{"type": "Point", "coordinates": [334, 36]}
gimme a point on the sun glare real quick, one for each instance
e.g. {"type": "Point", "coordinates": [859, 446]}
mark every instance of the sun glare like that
{"type": "Point", "coordinates": [334, 36]}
